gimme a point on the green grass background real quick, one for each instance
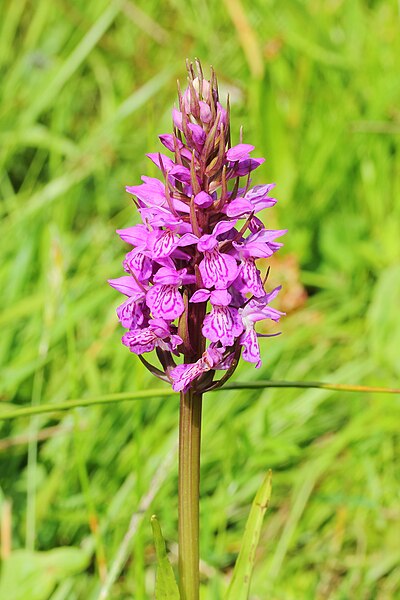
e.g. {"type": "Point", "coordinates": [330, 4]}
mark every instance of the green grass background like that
{"type": "Point", "coordinates": [85, 89]}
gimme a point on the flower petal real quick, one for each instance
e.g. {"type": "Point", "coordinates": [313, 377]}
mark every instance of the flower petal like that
{"type": "Point", "coordinates": [218, 269]}
{"type": "Point", "coordinates": [152, 194]}
{"type": "Point", "coordinates": [223, 226]}
{"type": "Point", "coordinates": [169, 139]}
{"type": "Point", "coordinates": [259, 198]}
{"type": "Point", "coordinates": [138, 263]}
{"type": "Point", "coordinates": [177, 118]}
{"type": "Point", "coordinates": [222, 325]}
{"type": "Point", "coordinates": [126, 285]}
{"type": "Point", "coordinates": [220, 298]}
{"type": "Point", "coordinates": [162, 161]}
{"type": "Point", "coordinates": [238, 152]}
{"type": "Point", "coordinates": [162, 243]}
{"type": "Point", "coordinates": [198, 134]}
{"type": "Point", "coordinates": [169, 276]}
{"type": "Point", "coordinates": [203, 200]}
{"type": "Point", "coordinates": [238, 207]}
{"type": "Point", "coordinates": [250, 279]}
{"type": "Point", "coordinates": [187, 239]}
{"type": "Point", "coordinates": [165, 301]}
{"type": "Point", "coordinates": [180, 173]}
{"type": "Point", "coordinates": [251, 349]}
{"type": "Point", "coordinates": [200, 296]}
{"type": "Point", "coordinates": [132, 313]}
{"type": "Point", "coordinates": [205, 112]}
{"type": "Point", "coordinates": [245, 166]}
{"type": "Point", "coordinates": [135, 235]}
{"type": "Point", "coordinates": [183, 375]}
{"type": "Point", "coordinates": [140, 341]}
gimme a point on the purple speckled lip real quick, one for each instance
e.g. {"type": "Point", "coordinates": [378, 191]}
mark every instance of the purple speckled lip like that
{"type": "Point", "coordinates": [192, 283]}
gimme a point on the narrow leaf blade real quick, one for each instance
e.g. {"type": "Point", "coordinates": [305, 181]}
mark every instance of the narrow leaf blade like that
{"type": "Point", "coordinates": [166, 586]}
{"type": "Point", "coordinates": [240, 584]}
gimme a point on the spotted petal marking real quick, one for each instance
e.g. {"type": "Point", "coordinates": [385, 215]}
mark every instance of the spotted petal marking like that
{"type": "Point", "coordinates": [218, 269]}
{"type": "Point", "coordinates": [250, 279]}
{"type": "Point", "coordinates": [165, 244]}
{"type": "Point", "coordinates": [251, 349]}
{"type": "Point", "coordinates": [131, 313]}
{"type": "Point", "coordinates": [183, 375]}
{"type": "Point", "coordinates": [165, 301]}
{"type": "Point", "coordinates": [139, 264]}
{"type": "Point", "coordinates": [222, 324]}
{"type": "Point", "coordinates": [140, 341]}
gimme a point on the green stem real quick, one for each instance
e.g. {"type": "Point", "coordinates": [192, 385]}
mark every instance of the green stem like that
{"type": "Point", "coordinates": [188, 494]}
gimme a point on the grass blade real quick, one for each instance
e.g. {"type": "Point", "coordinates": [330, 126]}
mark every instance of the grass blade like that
{"type": "Point", "coordinates": [166, 586]}
{"type": "Point", "coordinates": [158, 393]}
{"type": "Point", "coordinates": [240, 584]}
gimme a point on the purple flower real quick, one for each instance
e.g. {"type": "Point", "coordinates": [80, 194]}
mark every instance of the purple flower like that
{"type": "Point", "coordinates": [183, 375]}
{"type": "Point", "coordinates": [128, 286]}
{"type": "Point", "coordinates": [223, 323]}
{"type": "Point", "coordinates": [162, 161]}
{"type": "Point", "coordinates": [253, 201]}
{"type": "Point", "coordinates": [162, 242]}
{"type": "Point", "coordinates": [132, 313]}
{"type": "Point", "coordinates": [239, 152]}
{"type": "Point", "coordinates": [259, 244]}
{"type": "Point", "coordinates": [249, 279]}
{"type": "Point", "coordinates": [194, 257]}
{"type": "Point", "coordinates": [217, 269]}
{"type": "Point", "coordinates": [203, 200]}
{"type": "Point", "coordinates": [170, 141]}
{"type": "Point", "coordinates": [256, 310]}
{"type": "Point", "coordinates": [135, 235]}
{"type": "Point", "coordinates": [137, 263]}
{"type": "Point", "coordinates": [163, 298]}
{"type": "Point", "coordinates": [158, 334]}
{"type": "Point", "coordinates": [239, 162]}
{"type": "Point", "coordinates": [256, 245]}
{"type": "Point", "coordinates": [149, 193]}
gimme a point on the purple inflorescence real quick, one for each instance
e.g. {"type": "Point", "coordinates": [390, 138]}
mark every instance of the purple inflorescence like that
{"type": "Point", "coordinates": [192, 285]}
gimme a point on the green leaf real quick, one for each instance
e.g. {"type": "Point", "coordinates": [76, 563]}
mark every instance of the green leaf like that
{"type": "Point", "coordinates": [27, 575]}
{"type": "Point", "coordinates": [166, 587]}
{"type": "Point", "coordinates": [240, 584]}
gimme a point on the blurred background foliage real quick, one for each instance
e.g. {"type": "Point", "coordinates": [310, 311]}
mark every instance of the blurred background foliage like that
{"type": "Point", "coordinates": [86, 87]}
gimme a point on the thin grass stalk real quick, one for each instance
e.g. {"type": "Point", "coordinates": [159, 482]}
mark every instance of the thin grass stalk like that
{"type": "Point", "coordinates": [55, 408]}
{"type": "Point", "coordinates": [188, 494]}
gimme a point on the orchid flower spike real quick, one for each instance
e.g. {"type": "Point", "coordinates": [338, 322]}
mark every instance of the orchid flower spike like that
{"type": "Point", "coordinates": [194, 291]}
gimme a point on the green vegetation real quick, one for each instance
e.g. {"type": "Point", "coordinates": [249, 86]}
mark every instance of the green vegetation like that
{"type": "Point", "coordinates": [85, 89]}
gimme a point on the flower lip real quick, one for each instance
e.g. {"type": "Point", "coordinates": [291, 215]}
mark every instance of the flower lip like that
{"type": "Point", "coordinates": [184, 375]}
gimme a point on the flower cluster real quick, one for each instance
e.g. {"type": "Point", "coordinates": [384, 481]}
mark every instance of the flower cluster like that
{"type": "Point", "coordinates": [192, 284]}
